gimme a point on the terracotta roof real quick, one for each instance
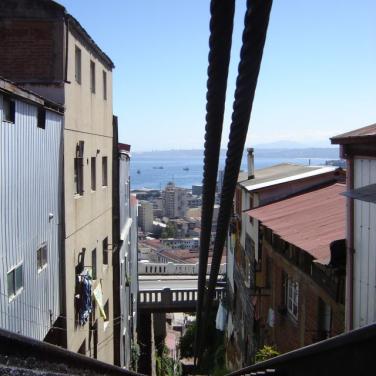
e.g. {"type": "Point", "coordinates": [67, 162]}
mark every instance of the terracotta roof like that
{"type": "Point", "coordinates": [365, 134]}
{"type": "Point", "coordinates": [310, 221]}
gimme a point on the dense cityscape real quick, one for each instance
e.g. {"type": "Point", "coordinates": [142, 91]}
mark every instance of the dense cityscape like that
{"type": "Point", "coordinates": [262, 268]}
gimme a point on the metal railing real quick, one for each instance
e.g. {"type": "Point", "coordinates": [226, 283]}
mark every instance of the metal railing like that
{"type": "Point", "coordinates": [351, 353]}
{"type": "Point", "coordinates": [172, 299]}
{"type": "Point", "coordinates": [170, 268]}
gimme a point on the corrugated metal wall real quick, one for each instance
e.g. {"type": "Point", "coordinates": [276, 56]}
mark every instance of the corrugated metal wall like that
{"type": "Point", "coordinates": [31, 189]}
{"type": "Point", "coordinates": [365, 247]}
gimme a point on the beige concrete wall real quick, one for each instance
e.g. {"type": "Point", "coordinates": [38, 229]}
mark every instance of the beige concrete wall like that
{"type": "Point", "coordinates": [88, 217]}
{"type": "Point", "coordinates": [90, 237]}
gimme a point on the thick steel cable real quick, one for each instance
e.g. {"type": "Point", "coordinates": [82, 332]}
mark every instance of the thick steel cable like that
{"type": "Point", "coordinates": [254, 35]}
{"type": "Point", "coordinates": [221, 25]}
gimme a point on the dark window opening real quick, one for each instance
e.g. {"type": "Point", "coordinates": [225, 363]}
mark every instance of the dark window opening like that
{"type": "Point", "coordinates": [9, 109]}
{"type": "Point", "coordinates": [78, 65]}
{"type": "Point", "coordinates": [93, 174]}
{"type": "Point", "coordinates": [104, 171]}
{"type": "Point", "coordinates": [104, 85]}
{"type": "Point", "coordinates": [94, 263]}
{"type": "Point", "coordinates": [41, 118]}
{"type": "Point", "coordinates": [79, 169]}
{"type": "Point", "coordinates": [105, 251]}
{"type": "Point", "coordinates": [92, 77]}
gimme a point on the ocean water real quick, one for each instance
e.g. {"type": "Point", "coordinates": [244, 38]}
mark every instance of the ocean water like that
{"type": "Point", "coordinates": [173, 164]}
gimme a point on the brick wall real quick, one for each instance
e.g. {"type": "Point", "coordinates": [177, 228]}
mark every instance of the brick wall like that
{"type": "Point", "coordinates": [289, 333]}
{"type": "Point", "coordinates": [31, 50]}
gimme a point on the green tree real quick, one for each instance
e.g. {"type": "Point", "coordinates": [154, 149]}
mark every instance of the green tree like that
{"type": "Point", "coordinates": [187, 341]}
{"type": "Point", "coordinates": [170, 231]}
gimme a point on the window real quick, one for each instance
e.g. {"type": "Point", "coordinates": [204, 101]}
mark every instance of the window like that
{"type": "Point", "coordinates": [104, 85]}
{"type": "Point", "coordinates": [9, 109]}
{"type": "Point", "coordinates": [42, 256]}
{"type": "Point", "coordinates": [79, 169]}
{"type": "Point", "coordinates": [41, 118]}
{"type": "Point", "coordinates": [94, 263]}
{"type": "Point", "coordinates": [105, 251]}
{"type": "Point", "coordinates": [104, 171]}
{"type": "Point", "coordinates": [93, 174]}
{"type": "Point", "coordinates": [251, 204]}
{"type": "Point", "coordinates": [92, 76]}
{"type": "Point", "coordinates": [292, 297]}
{"type": "Point", "coordinates": [106, 310]}
{"type": "Point", "coordinates": [15, 281]}
{"type": "Point", "coordinates": [78, 65]}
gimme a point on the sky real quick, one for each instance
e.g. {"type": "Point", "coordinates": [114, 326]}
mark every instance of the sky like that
{"type": "Point", "coordinates": [317, 78]}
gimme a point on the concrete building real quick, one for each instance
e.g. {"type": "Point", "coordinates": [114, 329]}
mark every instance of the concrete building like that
{"type": "Point", "coordinates": [145, 216]}
{"type": "Point", "coordinates": [125, 283]}
{"type": "Point", "coordinates": [358, 148]}
{"type": "Point", "coordinates": [258, 188]}
{"type": "Point", "coordinates": [31, 176]}
{"type": "Point", "coordinates": [174, 201]}
{"type": "Point", "coordinates": [64, 64]}
{"type": "Point", "coordinates": [188, 243]}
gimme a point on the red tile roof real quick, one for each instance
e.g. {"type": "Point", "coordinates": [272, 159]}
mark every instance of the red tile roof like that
{"type": "Point", "coordinates": [310, 221]}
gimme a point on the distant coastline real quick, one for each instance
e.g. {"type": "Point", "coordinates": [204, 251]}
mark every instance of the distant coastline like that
{"type": "Point", "coordinates": [184, 167]}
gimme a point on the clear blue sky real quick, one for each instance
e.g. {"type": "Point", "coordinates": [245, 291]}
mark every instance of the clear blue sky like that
{"type": "Point", "coordinates": [318, 75]}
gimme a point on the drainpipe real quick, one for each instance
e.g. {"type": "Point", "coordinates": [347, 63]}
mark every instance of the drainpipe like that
{"type": "Point", "coordinates": [349, 303]}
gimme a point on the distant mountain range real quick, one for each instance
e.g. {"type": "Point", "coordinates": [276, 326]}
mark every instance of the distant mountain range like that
{"type": "Point", "coordinates": [264, 151]}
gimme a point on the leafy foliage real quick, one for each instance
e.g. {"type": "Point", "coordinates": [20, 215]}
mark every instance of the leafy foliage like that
{"type": "Point", "coordinates": [265, 353]}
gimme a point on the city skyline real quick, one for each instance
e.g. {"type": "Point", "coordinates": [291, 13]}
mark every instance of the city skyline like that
{"type": "Point", "coordinates": [316, 81]}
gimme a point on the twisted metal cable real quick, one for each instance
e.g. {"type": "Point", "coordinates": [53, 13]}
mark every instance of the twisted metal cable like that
{"type": "Point", "coordinates": [221, 26]}
{"type": "Point", "coordinates": [254, 35]}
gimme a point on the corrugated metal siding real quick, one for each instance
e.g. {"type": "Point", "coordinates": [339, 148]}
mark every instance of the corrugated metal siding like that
{"type": "Point", "coordinates": [31, 184]}
{"type": "Point", "coordinates": [365, 247]}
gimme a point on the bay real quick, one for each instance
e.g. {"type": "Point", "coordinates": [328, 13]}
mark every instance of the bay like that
{"type": "Point", "coordinates": [185, 167]}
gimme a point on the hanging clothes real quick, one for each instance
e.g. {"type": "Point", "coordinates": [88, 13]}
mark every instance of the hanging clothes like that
{"type": "Point", "coordinates": [221, 318]}
{"type": "Point", "coordinates": [84, 304]}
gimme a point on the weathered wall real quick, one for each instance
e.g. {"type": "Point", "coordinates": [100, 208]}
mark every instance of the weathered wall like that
{"type": "Point", "coordinates": [31, 181]}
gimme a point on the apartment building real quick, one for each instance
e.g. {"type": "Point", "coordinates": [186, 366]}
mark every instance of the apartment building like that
{"type": "Point", "coordinates": [358, 148]}
{"type": "Point", "coordinates": [174, 201]}
{"type": "Point", "coordinates": [145, 216]}
{"type": "Point", "coordinates": [125, 282]}
{"type": "Point", "coordinates": [31, 175]}
{"type": "Point", "coordinates": [46, 50]}
{"type": "Point", "coordinates": [258, 188]}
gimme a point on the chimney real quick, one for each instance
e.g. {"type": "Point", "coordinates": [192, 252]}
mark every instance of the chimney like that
{"type": "Point", "coordinates": [251, 164]}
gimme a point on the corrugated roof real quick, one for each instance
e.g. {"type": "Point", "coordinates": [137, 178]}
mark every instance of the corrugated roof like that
{"type": "Point", "coordinates": [282, 173]}
{"type": "Point", "coordinates": [365, 134]}
{"type": "Point", "coordinates": [310, 221]}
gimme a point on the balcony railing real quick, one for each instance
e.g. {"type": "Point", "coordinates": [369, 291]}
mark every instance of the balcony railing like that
{"type": "Point", "coordinates": [350, 353]}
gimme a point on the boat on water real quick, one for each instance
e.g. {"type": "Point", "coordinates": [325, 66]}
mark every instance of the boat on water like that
{"type": "Point", "coordinates": [186, 168]}
{"type": "Point", "coordinates": [138, 171]}
{"type": "Point", "coordinates": [158, 167]}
